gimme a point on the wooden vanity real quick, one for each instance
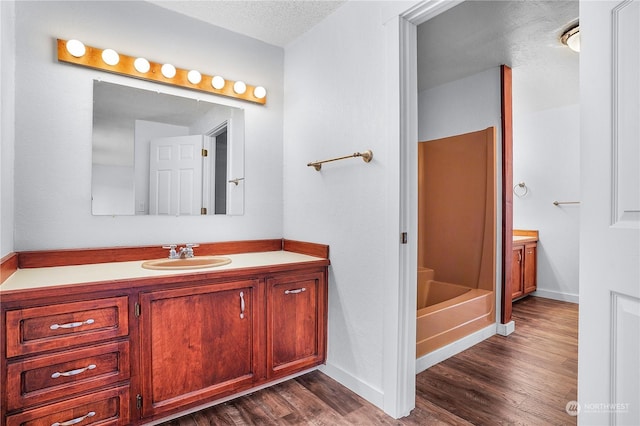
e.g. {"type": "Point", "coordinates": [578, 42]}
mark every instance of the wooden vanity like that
{"type": "Point", "coordinates": [524, 263]}
{"type": "Point", "coordinates": [134, 345]}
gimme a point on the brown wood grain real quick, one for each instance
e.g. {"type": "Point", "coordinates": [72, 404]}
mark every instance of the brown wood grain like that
{"type": "Point", "coordinates": [29, 331]}
{"type": "Point", "coordinates": [506, 81]}
{"type": "Point", "coordinates": [195, 344]}
{"type": "Point", "coordinates": [296, 322]}
{"type": "Point", "coordinates": [529, 280]}
{"type": "Point", "coordinates": [30, 381]}
{"type": "Point", "coordinates": [525, 233]}
{"type": "Point", "coordinates": [8, 265]}
{"type": "Point", "coordinates": [311, 249]}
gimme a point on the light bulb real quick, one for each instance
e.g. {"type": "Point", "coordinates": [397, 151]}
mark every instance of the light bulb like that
{"type": "Point", "coordinates": [259, 92]}
{"type": "Point", "coordinates": [218, 82]}
{"type": "Point", "coordinates": [110, 57]}
{"type": "Point", "coordinates": [194, 77]}
{"type": "Point", "coordinates": [76, 48]}
{"type": "Point", "coordinates": [142, 65]}
{"type": "Point", "coordinates": [239, 87]}
{"type": "Point", "coordinates": [168, 70]}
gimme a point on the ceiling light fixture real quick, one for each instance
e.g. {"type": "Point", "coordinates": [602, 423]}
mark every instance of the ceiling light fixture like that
{"type": "Point", "coordinates": [571, 38]}
{"type": "Point", "coordinates": [75, 52]}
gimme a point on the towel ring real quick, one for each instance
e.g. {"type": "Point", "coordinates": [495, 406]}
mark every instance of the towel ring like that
{"type": "Point", "coordinates": [520, 189]}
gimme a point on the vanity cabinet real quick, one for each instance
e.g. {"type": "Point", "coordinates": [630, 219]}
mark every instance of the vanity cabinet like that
{"type": "Point", "coordinates": [63, 361]}
{"type": "Point", "coordinates": [197, 343]}
{"type": "Point", "coordinates": [523, 271]}
{"type": "Point", "coordinates": [296, 310]}
{"type": "Point", "coordinates": [131, 351]}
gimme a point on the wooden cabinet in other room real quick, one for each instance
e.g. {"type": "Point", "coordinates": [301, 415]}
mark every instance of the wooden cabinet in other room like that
{"type": "Point", "coordinates": [523, 270]}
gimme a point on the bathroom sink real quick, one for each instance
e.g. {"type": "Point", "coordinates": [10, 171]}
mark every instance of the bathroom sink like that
{"type": "Point", "coordinates": [195, 262]}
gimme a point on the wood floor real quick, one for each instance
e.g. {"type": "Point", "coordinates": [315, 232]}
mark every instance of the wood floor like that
{"type": "Point", "coordinates": [526, 378]}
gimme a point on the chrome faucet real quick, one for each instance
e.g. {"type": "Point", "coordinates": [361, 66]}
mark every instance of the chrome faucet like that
{"type": "Point", "coordinates": [182, 252]}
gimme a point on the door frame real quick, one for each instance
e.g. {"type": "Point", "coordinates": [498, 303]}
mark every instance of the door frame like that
{"type": "Point", "coordinates": [400, 371]}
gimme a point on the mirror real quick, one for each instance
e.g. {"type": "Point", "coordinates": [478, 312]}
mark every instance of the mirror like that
{"type": "Point", "coordinates": [160, 154]}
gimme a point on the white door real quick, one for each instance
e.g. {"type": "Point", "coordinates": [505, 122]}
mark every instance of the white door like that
{"type": "Point", "coordinates": [609, 330]}
{"type": "Point", "coordinates": [175, 181]}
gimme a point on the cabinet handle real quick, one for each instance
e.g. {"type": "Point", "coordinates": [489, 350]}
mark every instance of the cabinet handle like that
{"type": "Point", "coordinates": [296, 291]}
{"type": "Point", "coordinates": [241, 305]}
{"type": "Point", "coordinates": [76, 420]}
{"type": "Point", "coordinates": [73, 372]}
{"type": "Point", "coordinates": [72, 324]}
{"type": "Point", "coordinates": [519, 257]}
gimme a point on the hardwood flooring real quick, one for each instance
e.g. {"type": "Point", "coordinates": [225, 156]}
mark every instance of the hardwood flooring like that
{"type": "Point", "coordinates": [526, 378]}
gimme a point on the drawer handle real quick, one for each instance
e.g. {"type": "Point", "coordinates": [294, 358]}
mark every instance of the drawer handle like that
{"type": "Point", "coordinates": [71, 324]}
{"type": "Point", "coordinates": [73, 372]}
{"type": "Point", "coordinates": [76, 420]}
{"type": "Point", "coordinates": [296, 291]}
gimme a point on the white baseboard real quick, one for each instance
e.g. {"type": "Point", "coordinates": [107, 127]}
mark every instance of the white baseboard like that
{"type": "Point", "coordinates": [506, 329]}
{"type": "Point", "coordinates": [556, 295]}
{"type": "Point", "coordinates": [365, 390]}
{"type": "Point", "coordinates": [451, 349]}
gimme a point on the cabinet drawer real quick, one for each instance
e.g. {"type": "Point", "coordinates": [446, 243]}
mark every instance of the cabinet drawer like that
{"type": "Point", "coordinates": [37, 380]}
{"type": "Point", "coordinates": [33, 330]}
{"type": "Point", "coordinates": [108, 407]}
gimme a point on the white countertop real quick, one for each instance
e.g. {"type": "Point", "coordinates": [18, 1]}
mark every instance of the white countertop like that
{"type": "Point", "coordinates": [32, 278]}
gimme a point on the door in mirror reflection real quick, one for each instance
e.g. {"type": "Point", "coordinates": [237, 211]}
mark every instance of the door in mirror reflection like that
{"type": "Point", "coordinates": [175, 181]}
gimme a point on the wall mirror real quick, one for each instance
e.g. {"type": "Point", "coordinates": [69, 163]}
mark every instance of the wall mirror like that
{"type": "Point", "coordinates": [160, 154]}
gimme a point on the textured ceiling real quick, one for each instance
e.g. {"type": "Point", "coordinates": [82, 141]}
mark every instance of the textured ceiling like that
{"type": "Point", "coordinates": [478, 35]}
{"type": "Point", "coordinates": [274, 22]}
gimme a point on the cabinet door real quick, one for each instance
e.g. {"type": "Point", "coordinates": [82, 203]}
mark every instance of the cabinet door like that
{"type": "Point", "coordinates": [517, 264]}
{"type": "Point", "coordinates": [296, 322]}
{"type": "Point", "coordinates": [530, 265]}
{"type": "Point", "coordinates": [197, 342]}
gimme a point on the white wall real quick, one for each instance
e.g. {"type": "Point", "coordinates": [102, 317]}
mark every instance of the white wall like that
{"type": "Point", "coordinates": [7, 99]}
{"type": "Point", "coordinates": [53, 123]}
{"type": "Point", "coordinates": [467, 105]}
{"type": "Point", "coordinates": [546, 156]}
{"type": "Point", "coordinates": [336, 77]}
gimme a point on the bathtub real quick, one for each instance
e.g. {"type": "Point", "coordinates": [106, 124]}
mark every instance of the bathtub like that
{"type": "Point", "coordinates": [447, 312]}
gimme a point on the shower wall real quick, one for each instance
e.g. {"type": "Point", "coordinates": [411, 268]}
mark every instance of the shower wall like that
{"type": "Point", "coordinates": [457, 208]}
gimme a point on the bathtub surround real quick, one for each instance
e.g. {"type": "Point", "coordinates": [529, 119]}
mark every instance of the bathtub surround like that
{"type": "Point", "coordinates": [456, 238]}
{"type": "Point", "coordinates": [460, 107]}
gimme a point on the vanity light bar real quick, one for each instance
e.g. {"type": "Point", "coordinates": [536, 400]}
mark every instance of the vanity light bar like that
{"type": "Point", "coordinates": [75, 52]}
